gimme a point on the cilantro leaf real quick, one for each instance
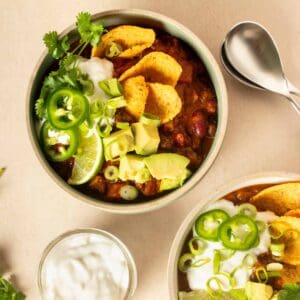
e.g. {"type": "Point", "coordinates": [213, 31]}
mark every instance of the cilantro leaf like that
{"type": "Point", "coordinates": [40, 108]}
{"type": "Point", "coordinates": [89, 32]}
{"type": "Point", "coordinates": [2, 170]}
{"type": "Point", "coordinates": [8, 292]}
{"type": "Point", "coordinates": [57, 47]}
{"type": "Point", "coordinates": [289, 292]}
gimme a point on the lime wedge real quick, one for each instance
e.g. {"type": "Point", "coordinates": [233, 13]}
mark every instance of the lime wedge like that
{"type": "Point", "coordinates": [89, 158]}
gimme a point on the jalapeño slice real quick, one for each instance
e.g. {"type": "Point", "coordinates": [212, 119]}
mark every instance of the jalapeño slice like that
{"type": "Point", "coordinates": [67, 108]}
{"type": "Point", "coordinates": [239, 233]}
{"type": "Point", "coordinates": [58, 145]}
{"type": "Point", "coordinates": [207, 225]}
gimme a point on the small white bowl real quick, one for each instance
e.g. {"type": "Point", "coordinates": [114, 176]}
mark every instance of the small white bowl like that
{"type": "Point", "coordinates": [186, 226]}
{"type": "Point", "coordinates": [154, 20]}
{"type": "Point", "coordinates": [69, 234]}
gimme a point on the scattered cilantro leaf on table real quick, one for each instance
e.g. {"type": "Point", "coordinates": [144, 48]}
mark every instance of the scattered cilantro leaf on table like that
{"type": "Point", "coordinates": [2, 170]}
{"type": "Point", "coordinates": [8, 292]}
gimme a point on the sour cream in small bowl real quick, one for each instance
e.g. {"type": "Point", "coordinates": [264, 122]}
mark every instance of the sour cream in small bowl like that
{"type": "Point", "coordinates": [87, 264]}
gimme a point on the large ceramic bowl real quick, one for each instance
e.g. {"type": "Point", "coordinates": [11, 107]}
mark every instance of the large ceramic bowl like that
{"type": "Point", "coordinates": [186, 226]}
{"type": "Point", "coordinates": [154, 20]}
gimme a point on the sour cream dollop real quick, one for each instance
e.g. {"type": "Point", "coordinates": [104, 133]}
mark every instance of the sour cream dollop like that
{"type": "Point", "coordinates": [98, 70]}
{"type": "Point", "coordinates": [199, 276]}
{"type": "Point", "coordinates": [85, 265]}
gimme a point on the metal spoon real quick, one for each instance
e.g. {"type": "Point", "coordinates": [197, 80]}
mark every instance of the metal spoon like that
{"type": "Point", "coordinates": [234, 73]}
{"type": "Point", "coordinates": [251, 50]}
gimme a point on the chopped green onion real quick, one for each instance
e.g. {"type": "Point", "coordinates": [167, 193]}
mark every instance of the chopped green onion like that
{"type": "Point", "coordinates": [248, 210]}
{"type": "Point", "coordinates": [197, 245]}
{"type": "Point", "coordinates": [226, 253]}
{"type": "Point", "coordinates": [97, 107]}
{"type": "Point", "coordinates": [200, 262]}
{"type": "Point", "coordinates": [274, 267]}
{"type": "Point", "coordinates": [88, 87]}
{"type": "Point", "coordinates": [230, 278]}
{"type": "Point", "coordinates": [274, 274]}
{"type": "Point", "coordinates": [104, 127]}
{"type": "Point", "coordinates": [249, 260]}
{"type": "Point", "coordinates": [261, 275]}
{"type": "Point", "coordinates": [185, 262]}
{"type": "Point", "coordinates": [262, 226]}
{"type": "Point", "coordinates": [212, 291]}
{"type": "Point", "coordinates": [216, 261]}
{"type": "Point", "coordinates": [128, 192]}
{"type": "Point", "coordinates": [113, 49]}
{"type": "Point", "coordinates": [150, 119]}
{"type": "Point", "coordinates": [116, 102]}
{"type": "Point", "coordinates": [122, 125]}
{"type": "Point", "coordinates": [111, 87]}
{"type": "Point", "coordinates": [277, 249]}
{"type": "Point", "coordinates": [275, 233]}
{"type": "Point", "coordinates": [111, 173]}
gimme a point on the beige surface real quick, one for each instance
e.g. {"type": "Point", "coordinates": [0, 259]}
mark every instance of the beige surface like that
{"type": "Point", "coordinates": [263, 134]}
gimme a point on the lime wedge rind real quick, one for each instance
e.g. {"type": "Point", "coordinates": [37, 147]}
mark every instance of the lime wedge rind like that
{"type": "Point", "coordinates": [89, 162]}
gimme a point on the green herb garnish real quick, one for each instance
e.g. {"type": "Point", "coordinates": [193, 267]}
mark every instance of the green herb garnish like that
{"type": "Point", "coordinates": [8, 292]}
{"type": "Point", "coordinates": [289, 292]}
{"type": "Point", "coordinates": [57, 47]}
{"type": "Point", "coordinates": [68, 75]}
{"type": "Point", "coordinates": [2, 170]}
{"type": "Point", "coordinates": [90, 33]}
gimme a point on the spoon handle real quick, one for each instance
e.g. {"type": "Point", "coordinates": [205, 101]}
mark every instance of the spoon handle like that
{"type": "Point", "coordinates": [294, 103]}
{"type": "Point", "coordinates": [293, 90]}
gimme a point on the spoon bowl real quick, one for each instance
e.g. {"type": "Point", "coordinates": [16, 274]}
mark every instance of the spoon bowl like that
{"type": "Point", "coordinates": [253, 56]}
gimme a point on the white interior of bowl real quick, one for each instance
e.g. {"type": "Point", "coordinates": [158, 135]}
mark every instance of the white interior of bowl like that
{"type": "Point", "coordinates": [265, 178]}
{"type": "Point", "coordinates": [142, 18]}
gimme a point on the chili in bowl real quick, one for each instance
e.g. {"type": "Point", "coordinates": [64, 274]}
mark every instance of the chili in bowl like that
{"type": "Point", "coordinates": [243, 244]}
{"type": "Point", "coordinates": [126, 114]}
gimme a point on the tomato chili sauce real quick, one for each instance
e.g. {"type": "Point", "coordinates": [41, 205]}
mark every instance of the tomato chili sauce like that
{"type": "Point", "coordinates": [190, 133]}
{"type": "Point", "coordinates": [237, 197]}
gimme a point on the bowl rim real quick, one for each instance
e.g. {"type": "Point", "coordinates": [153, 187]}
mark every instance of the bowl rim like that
{"type": "Point", "coordinates": [162, 201]}
{"type": "Point", "coordinates": [133, 274]}
{"type": "Point", "coordinates": [184, 228]}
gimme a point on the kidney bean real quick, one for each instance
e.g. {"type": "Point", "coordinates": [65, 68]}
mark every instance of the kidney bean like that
{"type": "Point", "coordinates": [181, 139]}
{"type": "Point", "coordinates": [212, 128]}
{"type": "Point", "coordinates": [198, 124]}
{"type": "Point", "coordinates": [211, 106]}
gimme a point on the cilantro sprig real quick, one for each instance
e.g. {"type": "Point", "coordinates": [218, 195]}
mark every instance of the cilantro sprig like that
{"type": "Point", "coordinates": [289, 292]}
{"type": "Point", "coordinates": [90, 33]}
{"type": "Point", "coordinates": [68, 75]}
{"type": "Point", "coordinates": [8, 292]}
{"type": "Point", "coordinates": [57, 47]}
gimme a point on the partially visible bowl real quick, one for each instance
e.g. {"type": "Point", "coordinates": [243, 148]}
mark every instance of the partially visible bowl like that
{"type": "Point", "coordinates": [186, 226]}
{"type": "Point", "coordinates": [146, 18]}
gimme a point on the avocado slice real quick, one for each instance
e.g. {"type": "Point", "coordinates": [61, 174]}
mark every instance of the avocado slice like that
{"type": "Point", "coordinates": [118, 143]}
{"type": "Point", "coordinates": [258, 291]}
{"type": "Point", "coordinates": [132, 167]}
{"type": "Point", "coordinates": [235, 294]}
{"type": "Point", "coordinates": [167, 166]}
{"type": "Point", "coordinates": [168, 184]}
{"type": "Point", "coordinates": [146, 138]}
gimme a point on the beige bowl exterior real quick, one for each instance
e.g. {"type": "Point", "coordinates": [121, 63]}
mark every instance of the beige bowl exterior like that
{"type": "Point", "coordinates": [262, 178]}
{"type": "Point", "coordinates": [142, 18]}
